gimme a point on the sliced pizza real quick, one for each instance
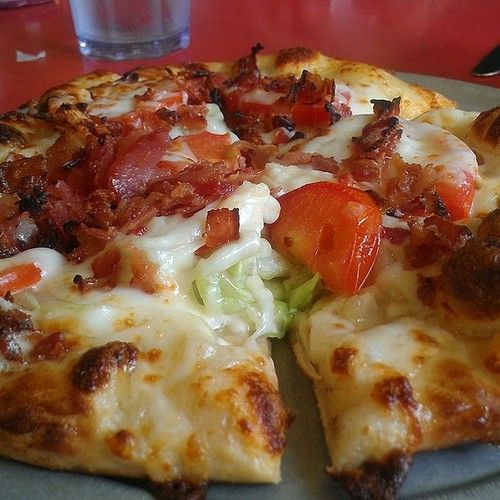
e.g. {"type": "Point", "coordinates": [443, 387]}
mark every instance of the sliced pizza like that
{"type": "Point", "coordinates": [156, 228]}
{"type": "Point", "coordinates": [403, 350]}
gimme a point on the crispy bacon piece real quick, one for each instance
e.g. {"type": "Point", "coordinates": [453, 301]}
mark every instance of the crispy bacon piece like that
{"type": "Point", "coordinates": [222, 226]}
{"type": "Point", "coordinates": [433, 240]}
{"type": "Point", "coordinates": [247, 68]}
{"type": "Point", "coordinates": [383, 108]}
{"type": "Point", "coordinates": [13, 172]}
{"type": "Point", "coordinates": [195, 187]}
{"type": "Point", "coordinates": [91, 240]}
{"type": "Point", "coordinates": [379, 138]}
{"type": "Point", "coordinates": [374, 148]}
{"type": "Point", "coordinates": [409, 188]}
{"type": "Point", "coordinates": [256, 157]}
{"type": "Point", "coordinates": [313, 160]}
{"type": "Point", "coordinates": [310, 88]}
{"type": "Point", "coordinates": [254, 105]}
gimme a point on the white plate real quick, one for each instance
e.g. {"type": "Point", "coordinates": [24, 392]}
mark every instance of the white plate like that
{"type": "Point", "coordinates": [461, 473]}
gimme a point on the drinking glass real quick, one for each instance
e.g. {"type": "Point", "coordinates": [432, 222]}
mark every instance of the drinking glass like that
{"type": "Point", "coordinates": [130, 29]}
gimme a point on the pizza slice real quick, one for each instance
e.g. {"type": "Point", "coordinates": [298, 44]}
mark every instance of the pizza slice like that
{"type": "Point", "coordinates": [134, 318]}
{"type": "Point", "coordinates": [402, 350]}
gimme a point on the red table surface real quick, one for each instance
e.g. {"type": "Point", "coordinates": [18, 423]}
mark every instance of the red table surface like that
{"type": "Point", "coordinates": [443, 38]}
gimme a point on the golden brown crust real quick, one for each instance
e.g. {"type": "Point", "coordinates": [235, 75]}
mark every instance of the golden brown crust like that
{"type": "Point", "coordinates": [465, 403]}
{"type": "Point", "coordinates": [359, 77]}
{"type": "Point", "coordinates": [380, 480]}
{"type": "Point", "coordinates": [367, 80]}
{"type": "Point", "coordinates": [41, 414]}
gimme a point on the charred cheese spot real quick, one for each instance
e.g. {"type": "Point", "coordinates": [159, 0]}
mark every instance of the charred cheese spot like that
{"type": "Point", "coordinates": [268, 409]}
{"type": "Point", "coordinates": [52, 347]}
{"type": "Point", "coordinates": [194, 449]}
{"type": "Point", "coordinates": [341, 359]}
{"type": "Point", "coordinates": [423, 338]}
{"type": "Point", "coordinates": [151, 378]}
{"type": "Point", "coordinates": [244, 426]}
{"type": "Point", "coordinates": [393, 391]}
{"type": "Point", "coordinates": [95, 367]}
{"type": "Point", "coordinates": [121, 443]}
{"type": "Point", "coordinates": [153, 355]}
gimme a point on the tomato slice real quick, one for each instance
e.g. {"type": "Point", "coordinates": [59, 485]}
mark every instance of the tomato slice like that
{"type": "Point", "coordinates": [458, 198]}
{"type": "Point", "coordinates": [332, 228]}
{"type": "Point", "coordinates": [311, 115]}
{"type": "Point", "coordinates": [17, 278]}
{"type": "Point", "coordinates": [132, 170]}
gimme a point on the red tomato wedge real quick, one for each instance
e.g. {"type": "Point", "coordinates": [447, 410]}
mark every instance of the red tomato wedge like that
{"type": "Point", "coordinates": [458, 198]}
{"type": "Point", "coordinates": [132, 170]}
{"type": "Point", "coordinates": [17, 278]}
{"type": "Point", "coordinates": [333, 229]}
{"type": "Point", "coordinates": [311, 115]}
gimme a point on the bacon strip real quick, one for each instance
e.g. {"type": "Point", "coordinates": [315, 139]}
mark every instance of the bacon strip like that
{"type": "Point", "coordinates": [222, 226]}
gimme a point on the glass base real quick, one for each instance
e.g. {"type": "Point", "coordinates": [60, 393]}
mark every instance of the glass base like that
{"type": "Point", "coordinates": [134, 50]}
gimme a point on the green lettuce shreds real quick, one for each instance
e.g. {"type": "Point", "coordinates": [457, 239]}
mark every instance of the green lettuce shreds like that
{"type": "Point", "coordinates": [301, 296]}
{"type": "Point", "coordinates": [241, 290]}
{"type": "Point", "coordinates": [268, 304]}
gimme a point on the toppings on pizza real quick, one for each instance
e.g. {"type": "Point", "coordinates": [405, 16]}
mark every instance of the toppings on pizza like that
{"type": "Point", "coordinates": [17, 278]}
{"type": "Point", "coordinates": [156, 228]}
{"type": "Point", "coordinates": [342, 249]}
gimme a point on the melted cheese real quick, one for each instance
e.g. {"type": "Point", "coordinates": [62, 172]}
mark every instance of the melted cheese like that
{"type": "Point", "coordinates": [420, 143]}
{"type": "Point", "coordinates": [381, 388]}
{"type": "Point", "coordinates": [387, 372]}
{"type": "Point", "coordinates": [488, 181]}
{"type": "Point", "coordinates": [180, 410]}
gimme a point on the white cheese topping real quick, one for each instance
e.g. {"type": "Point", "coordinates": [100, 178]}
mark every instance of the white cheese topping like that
{"type": "Point", "coordinates": [170, 243]}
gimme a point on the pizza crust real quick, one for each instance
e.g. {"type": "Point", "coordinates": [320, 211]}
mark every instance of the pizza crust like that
{"type": "Point", "coordinates": [364, 79]}
{"type": "Point", "coordinates": [184, 410]}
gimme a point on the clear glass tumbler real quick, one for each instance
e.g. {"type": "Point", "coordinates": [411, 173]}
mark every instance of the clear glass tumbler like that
{"type": "Point", "coordinates": [130, 29]}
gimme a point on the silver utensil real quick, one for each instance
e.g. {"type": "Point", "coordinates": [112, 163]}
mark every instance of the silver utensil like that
{"type": "Point", "coordinates": [489, 65]}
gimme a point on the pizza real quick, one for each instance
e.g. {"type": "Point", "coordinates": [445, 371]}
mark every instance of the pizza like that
{"type": "Point", "coordinates": [158, 228]}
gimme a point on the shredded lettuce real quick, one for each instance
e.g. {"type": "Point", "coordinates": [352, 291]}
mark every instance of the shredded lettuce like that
{"type": "Point", "coordinates": [264, 295]}
{"type": "Point", "coordinates": [242, 289]}
{"type": "Point", "coordinates": [301, 296]}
